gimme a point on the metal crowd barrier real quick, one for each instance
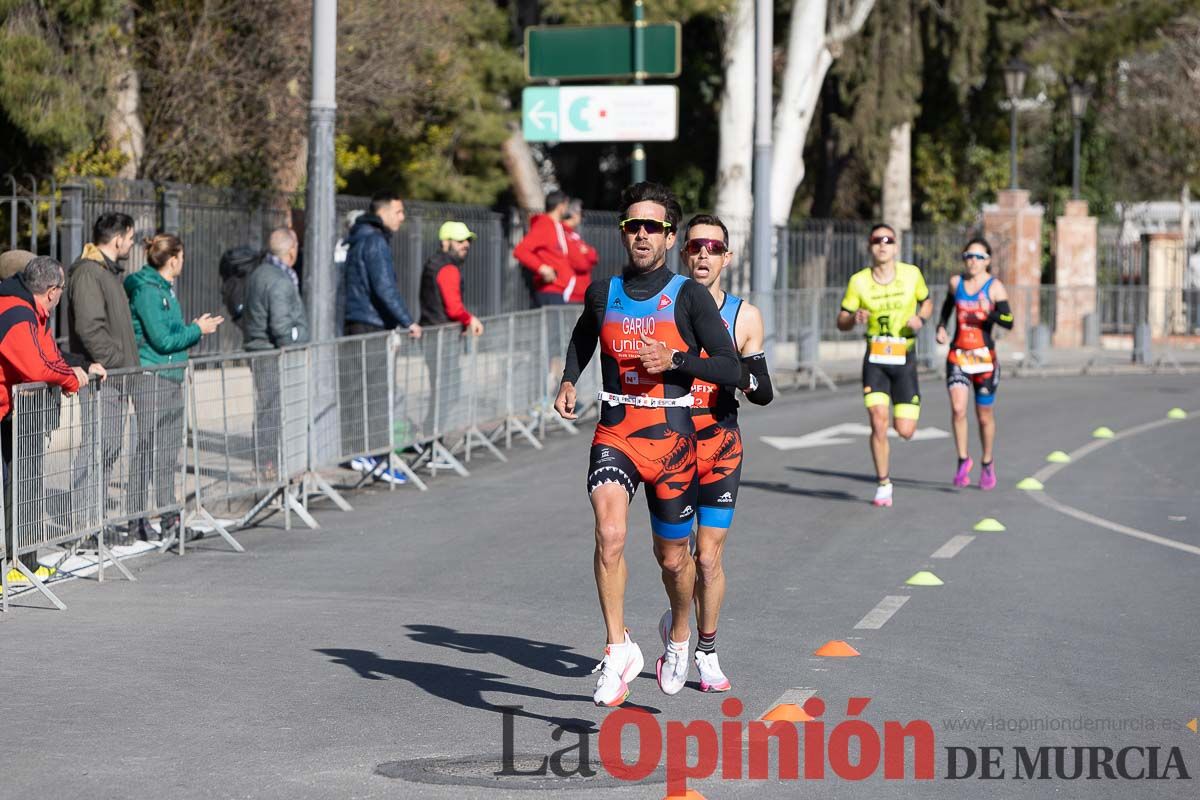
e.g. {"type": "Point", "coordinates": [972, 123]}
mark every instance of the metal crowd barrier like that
{"type": "Point", "coordinates": [236, 439]}
{"type": "Point", "coordinates": [261, 427]}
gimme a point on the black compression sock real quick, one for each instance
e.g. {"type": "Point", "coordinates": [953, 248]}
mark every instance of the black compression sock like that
{"type": "Point", "coordinates": [962, 461]}
{"type": "Point", "coordinates": [708, 643]}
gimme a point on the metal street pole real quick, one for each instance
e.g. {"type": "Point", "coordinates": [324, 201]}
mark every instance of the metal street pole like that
{"type": "Point", "coordinates": [1075, 160]}
{"type": "Point", "coordinates": [638, 166]}
{"type": "Point", "coordinates": [760, 275]}
{"type": "Point", "coordinates": [1012, 147]}
{"type": "Point", "coordinates": [320, 285]}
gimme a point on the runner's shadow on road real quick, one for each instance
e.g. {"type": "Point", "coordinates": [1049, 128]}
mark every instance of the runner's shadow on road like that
{"type": "Point", "coordinates": [862, 477]}
{"type": "Point", "coordinates": [464, 687]}
{"type": "Point", "coordinates": [787, 488]}
{"type": "Point", "coordinates": [552, 659]}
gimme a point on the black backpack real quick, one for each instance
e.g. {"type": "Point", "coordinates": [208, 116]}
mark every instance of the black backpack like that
{"type": "Point", "coordinates": [236, 265]}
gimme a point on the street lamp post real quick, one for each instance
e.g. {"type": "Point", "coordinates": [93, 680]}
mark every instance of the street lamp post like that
{"type": "Point", "coordinates": [1079, 103]}
{"type": "Point", "coordinates": [1015, 72]}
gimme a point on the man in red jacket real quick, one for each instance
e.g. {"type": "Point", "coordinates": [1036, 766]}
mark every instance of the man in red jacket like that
{"type": "Point", "coordinates": [29, 354]}
{"type": "Point", "coordinates": [545, 255]}
{"type": "Point", "coordinates": [581, 256]}
{"type": "Point", "coordinates": [441, 304]}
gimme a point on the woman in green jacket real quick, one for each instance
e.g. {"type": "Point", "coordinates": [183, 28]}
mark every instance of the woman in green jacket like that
{"type": "Point", "coordinates": [158, 402]}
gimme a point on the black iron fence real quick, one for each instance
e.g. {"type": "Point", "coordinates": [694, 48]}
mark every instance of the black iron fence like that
{"type": "Point", "coordinates": [56, 219]}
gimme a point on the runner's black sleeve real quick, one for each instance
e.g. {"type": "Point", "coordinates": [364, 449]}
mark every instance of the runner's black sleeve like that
{"type": "Point", "coordinates": [1002, 315]}
{"type": "Point", "coordinates": [947, 310]}
{"type": "Point", "coordinates": [586, 333]}
{"type": "Point", "coordinates": [756, 365]}
{"type": "Point", "coordinates": [722, 366]}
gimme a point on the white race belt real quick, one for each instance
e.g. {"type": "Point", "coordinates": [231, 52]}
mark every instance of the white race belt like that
{"type": "Point", "coordinates": [889, 350]}
{"type": "Point", "coordinates": [974, 362]}
{"type": "Point", "coordinates": [645, 401]}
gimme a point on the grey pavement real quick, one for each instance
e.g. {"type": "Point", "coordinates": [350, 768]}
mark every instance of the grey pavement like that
{"type": "Point", "coordinates": [319, 663]}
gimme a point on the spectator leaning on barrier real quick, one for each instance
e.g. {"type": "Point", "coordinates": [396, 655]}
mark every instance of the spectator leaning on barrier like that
{"type": "Point", "coordinates": [442, 281]}
{"type": "Point", "coordinates": [163, 338]}
{"type": "Point", "coordinates": [442, 303]}
{"type": "Point", "coordinates": [544, 253]}
{"type": "Point", "coordinates": [274, 317]}
{"type": "Point", "coordinates": [581, 256]}
{"type": "Point", "coordinates": [101, 329]}
{"type": "Point", "coordinates": [373, 301]}
{"type": "Point", "coordinates": [29, 354]}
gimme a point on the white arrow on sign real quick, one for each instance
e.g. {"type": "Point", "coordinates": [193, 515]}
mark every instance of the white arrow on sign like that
{"type": "Point", "coordinates": [840, 434]}
{"type": "Point", "coordinates": [537, 115]}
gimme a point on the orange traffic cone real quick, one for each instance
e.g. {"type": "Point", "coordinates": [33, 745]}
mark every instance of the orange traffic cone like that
{"type": "Point", "coordinates": [835, 648]}
{"type": "Point", "coordinates": [787, 712]}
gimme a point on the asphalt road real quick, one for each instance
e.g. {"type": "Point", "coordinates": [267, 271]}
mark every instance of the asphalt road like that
{"type": "Point", "coordinates": [372, 658]}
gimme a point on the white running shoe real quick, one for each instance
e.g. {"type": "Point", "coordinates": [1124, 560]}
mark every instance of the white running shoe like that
{"type": "Point", "coordinates": [617, 671]}
{"type": "Point", "coordinates": [711, 677]}
{"type": "Point", "coordinates": [672, 667]}
{"type": "Point", "coordinates": [883, 495]}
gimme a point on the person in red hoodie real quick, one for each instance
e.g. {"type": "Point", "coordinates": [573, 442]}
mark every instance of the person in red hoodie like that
{"type": "Point", "coordinates": [581, 256]}
{"type": "Point", "coordinates": [545, 255]}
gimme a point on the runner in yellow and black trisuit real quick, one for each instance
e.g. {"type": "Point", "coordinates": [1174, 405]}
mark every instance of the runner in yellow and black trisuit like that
{"type": "Point", "coordinates": [978, 302]}
{"type": "Point", "coordinates": [892, 300]}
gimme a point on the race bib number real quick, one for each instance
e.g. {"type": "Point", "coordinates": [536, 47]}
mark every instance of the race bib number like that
{"type": "Point", "coordinates": [889, 350]}
{"type": "Point", "coordinates": [975, 362]}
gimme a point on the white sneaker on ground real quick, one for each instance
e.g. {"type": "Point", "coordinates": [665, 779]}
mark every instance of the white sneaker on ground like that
{"type": "Point", "coordinates": [390, 475]}
{"type": "Point", "coordinates": [620, 665]}
{"type": "Point", "coordinates": [363, 463]}
{"type": "Point", "coordinates": [712, 679]}
{"type": "Point", "coordinates": [883, 495]}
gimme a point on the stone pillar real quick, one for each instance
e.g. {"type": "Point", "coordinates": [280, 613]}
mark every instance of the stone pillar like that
{"type": "Point", "coordinates": [1166, 267]}
{"type": "Point", "coordinates": [1014, 229]}
{"type": "Point", "coordinates": [1075, 237]}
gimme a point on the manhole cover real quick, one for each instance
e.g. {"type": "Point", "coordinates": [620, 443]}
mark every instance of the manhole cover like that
{"type": "Point", "coordinates": [496, 772]}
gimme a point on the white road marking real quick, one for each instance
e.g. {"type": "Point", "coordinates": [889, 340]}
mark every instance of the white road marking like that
{"type": "Point", "coordinates": [877, 616]}
{"type": "Point", "coordinates": [841, 434]}
{"type": "Point", "coordinates": [1089, 448]}
{"type": "Point", "coordinates": [1062, 508]}
{"type": "Point", "coordinates": [953, 547]}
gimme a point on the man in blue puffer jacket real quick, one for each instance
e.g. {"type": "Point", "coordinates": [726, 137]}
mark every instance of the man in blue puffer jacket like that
{"type": "Point", "coordinates": [373, 301]}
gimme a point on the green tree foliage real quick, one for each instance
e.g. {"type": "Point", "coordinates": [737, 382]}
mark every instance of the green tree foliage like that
{"type": "Point", "coordinates": [52, 80]}
{"type": "Point", "coordinates": [596, 12]}
{"type": "Point", "coordinates": [1150, 117]}
{"type": "Point", "coordinates": [879, 80]}
{"type": "Point", "coordinates": [955, 184]}
{"type": "Point", "coordinates": [451, 150]}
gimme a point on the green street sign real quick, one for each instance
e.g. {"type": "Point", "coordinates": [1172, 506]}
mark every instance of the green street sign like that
{"type": "Point", "coordinates": [599, 52]}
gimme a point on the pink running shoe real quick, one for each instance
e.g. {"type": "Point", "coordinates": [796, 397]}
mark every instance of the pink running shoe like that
{"type": "Point", "coordinates": [963, 476]}
{"type": "Point", "coordinates": [987, 479]}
